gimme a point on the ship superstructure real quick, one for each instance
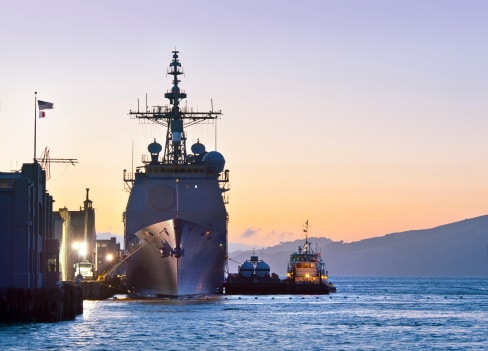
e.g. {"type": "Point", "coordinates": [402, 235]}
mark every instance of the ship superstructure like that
{"type": "Point", "coordinates": [176, 220]}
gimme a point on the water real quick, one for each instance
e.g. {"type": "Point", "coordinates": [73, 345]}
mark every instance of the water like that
{"type": "Point", "coordinates": [365, 314]}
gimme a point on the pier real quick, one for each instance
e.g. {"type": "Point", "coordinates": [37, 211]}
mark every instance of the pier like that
{"type": "Point", "coordinates": [31, 289]}
{"type": "Point", "coordinates": [41, 304]}
{"type": "Point", "coordinates": [97, 290]}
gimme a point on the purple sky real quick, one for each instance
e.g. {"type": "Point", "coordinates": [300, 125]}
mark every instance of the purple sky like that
{"type": "Point", "coordinates": [364, 117]}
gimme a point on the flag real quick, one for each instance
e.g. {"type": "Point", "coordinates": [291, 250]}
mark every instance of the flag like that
{"type": "Point", "coordinates": [42, 114]}
{"type": "Point", "coordinates": [43, 105]}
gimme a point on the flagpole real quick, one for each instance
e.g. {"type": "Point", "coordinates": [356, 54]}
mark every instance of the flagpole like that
{"type": "Point", "coordinates": [35, 124]}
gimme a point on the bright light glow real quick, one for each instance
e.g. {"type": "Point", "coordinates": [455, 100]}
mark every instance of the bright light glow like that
{"type": "Point", "coordinates": [109, 257]}
{"type": "Point", "coordinates": [307, 275]}
{"type": "Point", "coordinates": [80, 246]}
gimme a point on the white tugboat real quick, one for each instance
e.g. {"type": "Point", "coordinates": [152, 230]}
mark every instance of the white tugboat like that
{"type": "Point", "coordinates": [306, 270]}
{"type": "Point", "coordinates": [306, 275]}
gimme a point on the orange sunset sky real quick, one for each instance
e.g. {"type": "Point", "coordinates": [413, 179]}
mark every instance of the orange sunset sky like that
{"type": "Point", "coordinates": [364, 117]}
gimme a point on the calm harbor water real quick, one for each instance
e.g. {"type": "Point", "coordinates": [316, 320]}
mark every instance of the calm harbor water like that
{"type": "Point", "coordinates": [365, 314]}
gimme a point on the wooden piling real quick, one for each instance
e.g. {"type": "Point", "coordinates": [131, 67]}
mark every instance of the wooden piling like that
{"type": "Point", "coordinates": [41, 305]}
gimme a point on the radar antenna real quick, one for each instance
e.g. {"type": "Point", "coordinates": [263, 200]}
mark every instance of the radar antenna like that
{"type": "Point", "coordinates": [174, 117]}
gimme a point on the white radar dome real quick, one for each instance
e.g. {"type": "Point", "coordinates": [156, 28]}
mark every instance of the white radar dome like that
{"type": "Point", "coordinates": [215, 160]}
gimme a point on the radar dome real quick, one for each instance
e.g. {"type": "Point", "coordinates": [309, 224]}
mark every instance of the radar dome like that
{"type": "Point", "coordinates": [154, 148]}
{"type": "Point", "coordinates": [262, 269]}
{"type": "Point", "coordinates": [246, 269]}
{"type": "Point", "coordinates": [198, 148]}
{"type": "Point", "coordinates": [215, 160]}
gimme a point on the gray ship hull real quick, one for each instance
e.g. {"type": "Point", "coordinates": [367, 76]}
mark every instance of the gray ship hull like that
{"type": "Point", "coordinates": [176, 258]}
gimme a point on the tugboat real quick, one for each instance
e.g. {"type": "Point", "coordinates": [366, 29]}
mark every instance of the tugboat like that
{"type": "Point", "coordinates": [176, 220]}
{"type": "Point", "coordinates": [306, 271]}
{"type": "Point", "coordinates": [306, 275]}
{"type": "Point", "coordinates": [254, 278]}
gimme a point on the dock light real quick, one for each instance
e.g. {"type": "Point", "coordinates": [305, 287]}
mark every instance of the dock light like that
{"type": "Point", "coordinates": [80, 246]}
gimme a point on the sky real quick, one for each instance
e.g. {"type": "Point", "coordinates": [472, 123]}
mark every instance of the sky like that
{"type": "Point", "coordinates": [363, 117]}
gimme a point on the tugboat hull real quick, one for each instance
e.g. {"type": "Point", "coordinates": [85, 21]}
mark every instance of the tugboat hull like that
{"type": "Point", "coordinates": [250, 286]}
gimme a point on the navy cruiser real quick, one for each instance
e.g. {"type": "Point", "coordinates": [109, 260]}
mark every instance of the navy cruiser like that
{"type": "Point", "coordinates": [176, 220]}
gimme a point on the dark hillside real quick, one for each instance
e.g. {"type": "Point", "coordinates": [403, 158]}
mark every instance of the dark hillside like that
{"type": "Point", "coordinates": [456, 249]}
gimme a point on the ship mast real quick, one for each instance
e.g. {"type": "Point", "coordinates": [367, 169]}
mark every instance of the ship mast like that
{"type": "Point", "coordinates": [306, 246]}
{"type": "Point", "coordinates": [174, 117]}
{"type": "Point", "coordinates": [175, 150]}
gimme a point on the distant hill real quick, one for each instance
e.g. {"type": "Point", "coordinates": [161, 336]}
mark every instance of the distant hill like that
{"type": "Point", "coordinates": [456, 249]}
